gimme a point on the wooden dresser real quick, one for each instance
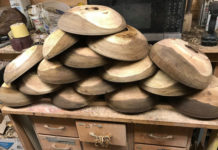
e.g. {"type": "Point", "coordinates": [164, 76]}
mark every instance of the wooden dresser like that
{"type": "Point", "coordinates": [101, 128]}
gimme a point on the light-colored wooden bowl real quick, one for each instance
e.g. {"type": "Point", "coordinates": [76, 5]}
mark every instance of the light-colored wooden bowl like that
{"type": "Point", "coordinates": [31, 84]}
{"type": "Point", "coordinates": [23, 63]}
{"type": "Point", "coordinates": [82, 57]}
{"type": "Point", "coordinates": [129, 71]}
{"type": "Point", "coordinates": [161, 84]}
{"type": "Point", "coordinates": [203, 105]}
{"type": "Point", "coordinates": [69, 99]}
{"type": "Point", "coordinates": [91, 20]}
{"type": "Point", "coordinates": [94, 85]}
{"type": "Point", "coordinates": [130, 99]}
{"type": "Point", "coordinates": [11, 97]}
{"type": "Point", "coordinates": [57, 42]}
{"type": "Point", "coordinates": [182, 62]}
{"type": "Point", "coordinates": [128, 45]}
{"type": "Point", "coordinates": [55, 73]}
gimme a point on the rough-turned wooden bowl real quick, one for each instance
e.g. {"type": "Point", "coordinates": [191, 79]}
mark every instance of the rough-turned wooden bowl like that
{"type": "Point", "coordinates": [11, 97]}
{"type": "Point", "coordinates": [182, 62]}
{"type": "Point", "coordinates": [130, 99]}
{"type": "Point", "coordinates": [69, 99]}
{"type": "Point", "coordinates": [128, 45]}
{"type": "Point", "coordinates": [23, 63]}
{"type": "Point", "coordinates": [129, 71]}
{"type": "Point", "coordinates": [31, 84]}
{"type": "Point", "coordinates": [162, 84]}
{"type": "Point", "coordinates": [57, 42]}
{"type": "Point", "coordinates": [94, 85]}
{"type": "Point", "coordinates": [203, 105]}
{"type": "Point", "coordinates": [91, 20]}
{"type": "Point", "coordinates": [82, 57]}
{"type": "Point", "coordinates": [55, 73]}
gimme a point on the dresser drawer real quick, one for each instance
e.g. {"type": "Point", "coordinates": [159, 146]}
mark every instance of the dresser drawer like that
{"type": "Point", "coordinates": [59, 143]}
{"type": "Point", "coordinates": [153, 147]}
{"type": "Point", "coordinates": [114, 134]}
{"type": "Point", "coordinates": [162, 135]}
{"type": "Point", "coordinates": [91, 146]}
{"type": "Point", "coordinates": [55, 126]}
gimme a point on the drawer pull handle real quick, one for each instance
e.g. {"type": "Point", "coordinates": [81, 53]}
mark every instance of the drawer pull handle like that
{"type": "Point", "coordinates": [50, 128]}
{"type": "Point", "coordinates": [56, 148]}
{"type": "Point", "coordinates": [101, 141]}
{"type": "Point", "coordinates": [168, 137]}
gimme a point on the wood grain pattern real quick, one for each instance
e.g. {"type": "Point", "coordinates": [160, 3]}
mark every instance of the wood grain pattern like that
{"type": "Point", "coordinates": [23, 63]}
{"type": "Point", "coordinates": [117, 131]}
{"type": "Point", "coordinates": [129, 71]}
{"type": "Point", "coordinates": [69, 99]}
{"type": "Point", "coordinates": [182, 62]}
{"type": "Point", "coordinates": [91, 20]}
{"type": "Point", "coordinates": [11, 97]}
{"type": "Point", "coordinates": [153, 147]}
{"type": "Point", "coordinates": [31, 84]}
{"type": "Point", "coordinates": [203, 104]}
{"type": "Point", "coordinates": [128, 45]}
{"type": "Point", "coordinates": [162, 135]}
{"type": "Point", "coordinates": [57, 42]}
{"type": "Point", "coordinates": [94, 85]}
{"type": "Point", "coordinates": [17, 124]}
{"type": "Point", "coordinates": [55, 73]}
{"type": "Point", "coordinates": [161, 115]}
{"type": "Point", "coordinates": [55, 126]}
{"type": "Point", "coordinates": [59, 143]}
{"type": "Point", "coordinates": [82, 57]}
{"type": "Point", "coordinates": [162, 84]}
{"type": "Point", "coordinates": [130, 99]}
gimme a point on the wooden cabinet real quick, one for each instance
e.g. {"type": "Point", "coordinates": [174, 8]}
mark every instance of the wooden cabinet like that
{"type": "Point", "coordinates": [59, 143]}
{"type": "Point", "coordinates": [153, 147]}
{"type": "Point", "coordinates": [113, 133]}
{"type": "Point", "coordinates": [162, 135]}
{"type": "Point", "coordinates": [55, 126]}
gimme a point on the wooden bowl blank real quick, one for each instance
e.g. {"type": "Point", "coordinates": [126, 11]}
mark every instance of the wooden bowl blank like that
{"type": "Point", "coordinates": [94, 85]}
{"type": "Point", "coordinates": [203, 105]}
{"type": "Point", "coordinates": [129, 71]}
{"type": "Point", "coordinates": [82, 57]}
{"type": "Point", "coordinates": [182, 62]}
{"type": "Point", "coordinates": [69, 99]}
{"type": "Point", "coordinates": [55, 73]}
{"type": "Point", "coordinates": [23, 63]}
{"type": "Point", "coordinates": [31, 84]}
{"type": "Point", "coordinates": [11, 97]}
{"type": "Point", "coordinates": [91, 20]}
{"type": "Point", "coordinates": [128, 45]}
{"type": "Point", "coordinates": [57, 42]}
{"type": "Point", "coordinates": [130, 99]}
{"type": "Point", "coordinates": [162, 84]}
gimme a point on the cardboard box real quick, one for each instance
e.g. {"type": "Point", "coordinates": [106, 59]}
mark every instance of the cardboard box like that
{"type": "Point", "coordinates": [10, 144]}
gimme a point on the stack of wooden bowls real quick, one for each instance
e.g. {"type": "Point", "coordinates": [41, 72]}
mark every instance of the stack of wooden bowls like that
{"type": "Point", "coordinates": [94, 52]}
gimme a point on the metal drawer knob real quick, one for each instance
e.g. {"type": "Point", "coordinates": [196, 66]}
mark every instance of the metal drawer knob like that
{"type": "Point", "coordinates": [56, 148]}
{"type": "Point", "coordinates": [101, 141]}
{"type": "Point", "coordinates": [168, 137]}
{"type": "Point", "coordinates": [51, 128]}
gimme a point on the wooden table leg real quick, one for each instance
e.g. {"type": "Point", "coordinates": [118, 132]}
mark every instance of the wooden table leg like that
{"type": "Point", "coordinates": [27, 145]}
{"type": "Point", "coordinates": [216, 70]}
{"type": "Point", "coordinates": [213, 141]}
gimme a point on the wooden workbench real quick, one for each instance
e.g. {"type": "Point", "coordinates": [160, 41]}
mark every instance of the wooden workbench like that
{"type": "Point", "coordinates": [161, 115]}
